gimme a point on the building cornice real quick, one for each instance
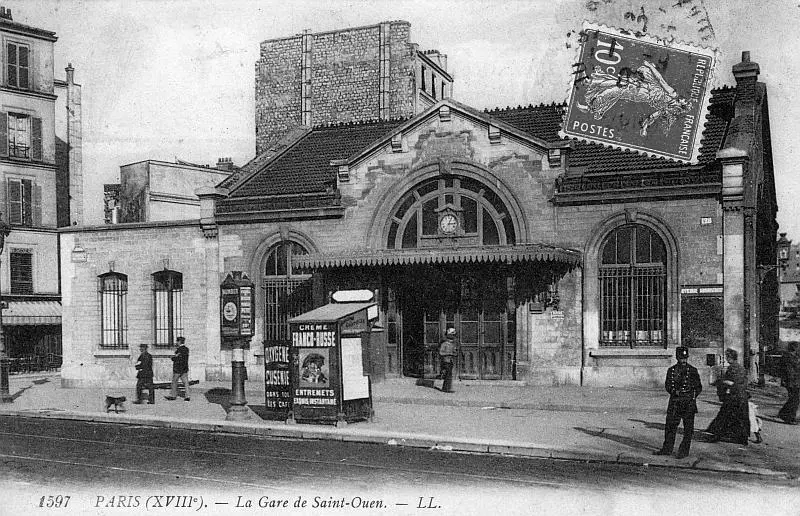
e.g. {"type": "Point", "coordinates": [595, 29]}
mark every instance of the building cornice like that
{"type": "Point", "coordinates": [132, 226]}
{"type": "Point", "coordinates": [27, 164]}
{"type": "Point", "coordinates": [29, 93]}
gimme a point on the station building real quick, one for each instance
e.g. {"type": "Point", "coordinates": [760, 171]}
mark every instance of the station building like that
{"type": "Point", "coordinates": [558, 262]}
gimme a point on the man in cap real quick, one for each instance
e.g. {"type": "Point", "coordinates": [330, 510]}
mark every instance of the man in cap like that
{"type": "Point", "coordinates": [447, 356]}
{"type": "Point", "coordinates": [180, 370]}
{"type": "Point", "coordinates": [683, 385]}
{"type": "Point", "coordinates": [144, 376]}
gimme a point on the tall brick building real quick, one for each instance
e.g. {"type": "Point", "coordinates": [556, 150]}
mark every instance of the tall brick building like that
{"type": "Point", "coordinates": [351, 75]}
{"type": "Point", "coordinates": [558, 262]}
{"type": "Point", "coordinates": [41, 174]}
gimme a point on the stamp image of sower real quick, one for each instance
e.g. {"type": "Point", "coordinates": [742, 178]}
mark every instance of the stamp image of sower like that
{"type": "Point", "coordinates": [639, 93]}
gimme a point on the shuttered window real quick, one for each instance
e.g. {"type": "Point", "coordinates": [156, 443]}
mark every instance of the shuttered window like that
{"type": "Point", "coordinates": [24, 202]}
{"type": "Point", "coordinates": [21, 261]}
{"type": "Point", "coordinates": [21, 136]}
{"type": "Point", "coordinates": [113, 290]}
{"type": "Point", "coordinates": [18, 66]}
{"type": "Point", "coordinates": [168, 309]}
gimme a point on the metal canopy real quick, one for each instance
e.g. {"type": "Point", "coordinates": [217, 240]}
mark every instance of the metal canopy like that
{"type": "Point", "coordinates": [496, 254]}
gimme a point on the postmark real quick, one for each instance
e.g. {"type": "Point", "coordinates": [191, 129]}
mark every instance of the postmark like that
{"type": "Point", "coordinates": [637, 92]}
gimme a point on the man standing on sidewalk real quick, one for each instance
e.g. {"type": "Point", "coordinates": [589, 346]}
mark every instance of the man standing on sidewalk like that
{"type": "Point", "coordinates": [447, 356]}
{"type": "Point", "coordinates": [180, 369]}
{"type": "Point", "coordinates": [683, 385]}
{"type": "Point", "coordinates": [791, 380]}
{"type": "Point", "coordinates": [144, 376]}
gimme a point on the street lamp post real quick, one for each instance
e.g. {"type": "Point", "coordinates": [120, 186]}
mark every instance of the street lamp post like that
{"type": "Point", "coordinates": [5, 396]}
{"type": "Point", "coordinates": [763, 270]}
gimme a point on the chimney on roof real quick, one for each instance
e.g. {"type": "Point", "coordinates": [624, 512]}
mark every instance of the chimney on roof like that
{"type": "Point", "coordinates": [5, 13]}
{"type": "Point", "coordinates": [70, 74]}
{"type": "Point", "coordinates": [437, 57]}
{"type": "Point", "coordinates": [225, 164]}
{"type": "Point", "coordinates": [746, 75]}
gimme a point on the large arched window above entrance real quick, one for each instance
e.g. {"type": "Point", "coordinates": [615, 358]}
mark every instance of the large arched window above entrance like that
{"type": "Point", "coordinates": [439, 210]}
{"type": "Point", "coordinates": [287, 292]}
{"type": "Point", "coordinates": [633, 286]}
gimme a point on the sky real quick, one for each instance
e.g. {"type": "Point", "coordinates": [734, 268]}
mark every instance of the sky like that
{"type": "Point", "coordinates": [173, 79]}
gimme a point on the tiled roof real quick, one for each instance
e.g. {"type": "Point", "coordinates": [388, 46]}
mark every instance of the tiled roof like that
{"type": "Point", "coordinates": [306, 167]}
{"type": "Point", "coordinates": [544, 121]}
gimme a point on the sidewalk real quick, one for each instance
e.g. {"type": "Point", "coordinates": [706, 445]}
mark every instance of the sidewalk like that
{"type": "Point", "coordinates": [574, 423]}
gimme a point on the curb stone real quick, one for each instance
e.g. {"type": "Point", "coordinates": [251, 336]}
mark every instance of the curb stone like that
{"type": "Point", "coordinates": [394, 439]}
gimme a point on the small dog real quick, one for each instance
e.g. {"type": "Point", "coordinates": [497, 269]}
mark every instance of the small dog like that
{"type": "Point", "coordinates": [116, 401]}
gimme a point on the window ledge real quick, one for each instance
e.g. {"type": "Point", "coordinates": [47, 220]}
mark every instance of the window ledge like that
{"type": "Point", "coordinates": [112, 352]}
{"type": "Point", "coordinates": [630, 352]}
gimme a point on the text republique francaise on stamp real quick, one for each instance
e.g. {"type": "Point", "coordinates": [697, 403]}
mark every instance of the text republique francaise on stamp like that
{"type": "Point", "coordinates": [640, 93]}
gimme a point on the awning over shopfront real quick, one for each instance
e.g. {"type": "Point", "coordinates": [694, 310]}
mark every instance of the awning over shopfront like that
{"type": "Point", "coordinates": [484, 254]}
{"type": "Point", "coordinates": [32, 313]}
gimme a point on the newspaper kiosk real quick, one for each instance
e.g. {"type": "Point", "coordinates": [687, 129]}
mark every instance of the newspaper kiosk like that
{"type": "Point", "coordinates": [328, 381]}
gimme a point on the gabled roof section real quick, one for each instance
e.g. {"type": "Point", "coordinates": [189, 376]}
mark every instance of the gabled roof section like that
{"type": "Point", "coordinates": [544, 121]}
{"type": "Point", "coordinates": [305, 167]}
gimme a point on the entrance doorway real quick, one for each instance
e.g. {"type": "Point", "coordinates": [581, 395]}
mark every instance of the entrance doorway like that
{"type": "Point", "coordinates": [475, 303]}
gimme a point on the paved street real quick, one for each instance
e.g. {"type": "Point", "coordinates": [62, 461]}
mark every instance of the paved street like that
{"type": "Point", "coordinates": [97, 464]}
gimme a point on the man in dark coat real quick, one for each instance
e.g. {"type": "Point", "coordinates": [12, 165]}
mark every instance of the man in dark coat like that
{"type": "Point", "coordinates": [144, 376]}
{"type": "Point", "coordinates": [180, 369]}
{"type": "Point", "coordinates": [791, 380]}
{"type": "Point", "coordinates": [447, 357]}
{"type": "Point", "coordinates": [683, 385]}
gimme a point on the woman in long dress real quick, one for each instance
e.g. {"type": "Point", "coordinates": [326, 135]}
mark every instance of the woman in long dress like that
{"type": "Point", "coordinates": [733, 421]}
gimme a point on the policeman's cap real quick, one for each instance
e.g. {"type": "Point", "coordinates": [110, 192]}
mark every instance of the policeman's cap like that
{"type": "Point", "coordinates": [181, 340]}
{"type": "Point", "coordinates": [681, 352]}
{"type": "Point", "coordinates": [450, 331]}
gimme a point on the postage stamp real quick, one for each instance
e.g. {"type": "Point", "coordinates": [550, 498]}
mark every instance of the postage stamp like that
{"type": "Point", "coordinates": [637, 92]}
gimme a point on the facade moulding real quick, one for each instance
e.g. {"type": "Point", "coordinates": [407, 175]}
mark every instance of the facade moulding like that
{"type": "Point", "coordinates": [29, 93]}
{"type": "Point", "coordinates": [128, 226]}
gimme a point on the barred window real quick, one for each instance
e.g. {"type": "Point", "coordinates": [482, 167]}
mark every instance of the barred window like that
{"type": "Point", "coordinates": [114, 310]}
{"type": "Point", "coordinates": [633, 282]}
{"type": "Point", "coordinates": [168, 309]}
{"type": "Point", "coordinates": [286, 293]}
{"type": "Point", "coordinates": [21, 262]}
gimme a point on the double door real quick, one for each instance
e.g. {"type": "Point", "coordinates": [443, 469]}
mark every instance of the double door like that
{"type": "Point", "coordinates": [485, 340]}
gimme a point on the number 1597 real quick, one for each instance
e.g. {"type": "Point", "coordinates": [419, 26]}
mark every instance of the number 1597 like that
{"type": "Point", "coordinates": [55, 502]}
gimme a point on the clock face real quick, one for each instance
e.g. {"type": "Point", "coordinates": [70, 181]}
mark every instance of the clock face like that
{"type": "Point", "coordinates": [448, 224]}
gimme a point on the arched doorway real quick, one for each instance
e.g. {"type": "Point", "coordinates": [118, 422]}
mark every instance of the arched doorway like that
{"type": "Point", "coordinates": [287, 292]}
{"type": "Point", "coordinates": [425, 299]}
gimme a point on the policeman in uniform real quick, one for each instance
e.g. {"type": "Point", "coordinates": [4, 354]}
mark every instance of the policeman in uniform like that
{"type": "Point", "coordinates": [683, 385]}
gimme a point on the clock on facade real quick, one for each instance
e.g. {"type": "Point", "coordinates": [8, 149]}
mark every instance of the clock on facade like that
{"type": "Point", "coordinates": [448, 224]}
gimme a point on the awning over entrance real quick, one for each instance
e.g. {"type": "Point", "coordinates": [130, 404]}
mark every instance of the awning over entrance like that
{"type": "Point", "coordinates": [32, 313]}
{"type": "Point", "coordinates": [496, 254]}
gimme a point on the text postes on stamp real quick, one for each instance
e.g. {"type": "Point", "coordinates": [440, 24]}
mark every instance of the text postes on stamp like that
{"type": "Point", "coordinates": [637, 92]}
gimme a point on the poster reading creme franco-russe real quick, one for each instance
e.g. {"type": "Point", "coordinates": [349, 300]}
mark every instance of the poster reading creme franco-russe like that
{"type": "Point", "coordinates": [633, 91]}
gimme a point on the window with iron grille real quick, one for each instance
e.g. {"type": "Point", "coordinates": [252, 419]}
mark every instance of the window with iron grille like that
{"type": "Point", "coordinates": [18, 66]}
{"type": "Point", "coordinates": [21, 262]}
{"type": "Point", "coordinates": [633, 283]}
{"type": "Point", "coordinates": [113, 289]}
{"type": "Point", "coordinates": [168, 309]}
{"type": "Point", "coordinates": [286, 293]}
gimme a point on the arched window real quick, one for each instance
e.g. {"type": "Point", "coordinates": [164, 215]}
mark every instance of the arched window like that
{"type": "Point", "coordinates": [113, 289]}
{"type": "Point", "coordinates": [168, 310]}
{"type": "Point", "coordinates": [444, 208]}
{"type": "Point", "coordinates": [633, 283]}
{"type": "Point", "coordinates": [287, 293]}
